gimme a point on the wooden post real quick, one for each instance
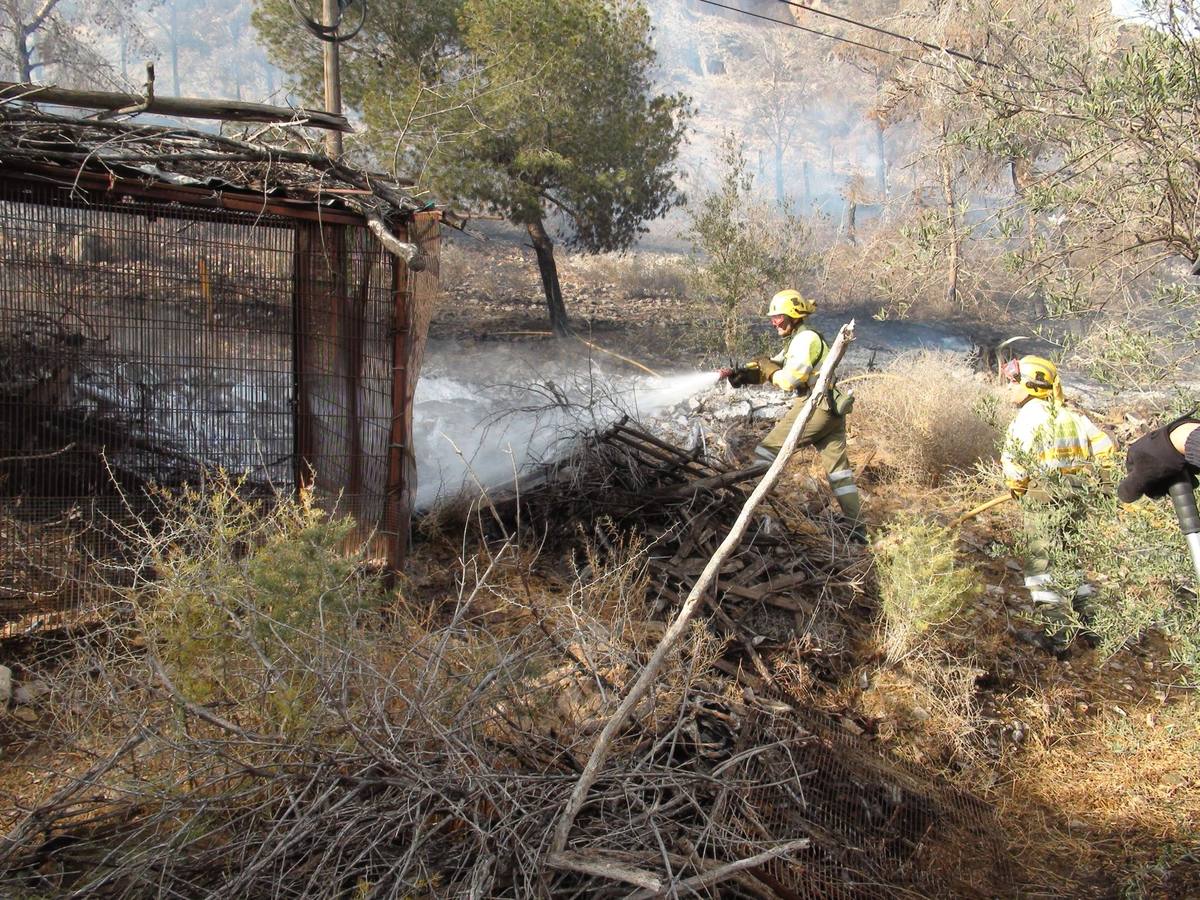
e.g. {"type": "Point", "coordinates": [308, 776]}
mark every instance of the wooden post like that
{"type": "Point", "coordinates": [333, 82]}
{"type": "Point", "coordinates": [695, 598]}
{"type": "Point", "coordinates": [185, 107]}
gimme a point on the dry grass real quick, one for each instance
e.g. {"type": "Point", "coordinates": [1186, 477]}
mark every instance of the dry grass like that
{"type": "Point", "coordinates": [491, 275]}
{"type": "Point", "coordinates": [932, 700]}
{"type": "Point", "coordinates": [902, 265]}
{"type": "Point", "coordinates": [928, 415]}
{"type": "Point", "coordinates": [1132, 773]}
{"type": "Point", "coordinates": [1108, 795]}
{"type": "Point", "coordinates": [636, 274]}
{"type": "Point", "coordinates": [265, 696]}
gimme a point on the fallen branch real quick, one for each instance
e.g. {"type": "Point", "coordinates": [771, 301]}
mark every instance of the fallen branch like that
{"type": "Point", "coordinates": [590, 865]}
{"type": "Point", "coordinates": [410, 253]}
{"type": "Point", "coordinates": [725, 872]}
{"type": "Point", "coordinates": [677, 627]}
{"type": "Point", "coordinates": [712, 483]}
{"type": "Point", "coordinates": [33, 456]}
{"type": "Point", "coordinates": [43, 814]}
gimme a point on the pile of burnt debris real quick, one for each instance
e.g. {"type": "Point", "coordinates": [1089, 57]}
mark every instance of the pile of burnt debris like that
{"type": "Point", "coordinates": [826, 812]}
{"type": "Point", "coordinates": [797, 586]}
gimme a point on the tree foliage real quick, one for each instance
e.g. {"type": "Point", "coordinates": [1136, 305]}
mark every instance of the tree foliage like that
{"type": "Point", "coordinates": [520, 107]}
{"type": "Point", "coordinates": [743, 250]}
{"type": "Point", "coordinates": [1093, 120]}
{"type": "Point", "coordinates": [569, 119]}
{"type": "Point", "coordinates": [56, 40]}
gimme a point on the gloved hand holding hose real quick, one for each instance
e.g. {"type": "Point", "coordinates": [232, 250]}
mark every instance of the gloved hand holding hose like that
{"type": "Point", "coordinates": [1165, 462]}
{"type": "Point", "coordinates": [757, 371]}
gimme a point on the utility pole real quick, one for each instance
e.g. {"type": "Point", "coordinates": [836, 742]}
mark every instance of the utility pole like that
{"type": "Point", "coordinates": [333, 75]}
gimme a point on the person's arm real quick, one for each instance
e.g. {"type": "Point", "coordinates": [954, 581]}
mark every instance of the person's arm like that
{"type": "Point", "coordinates": [1016, 476]}
{"type": "Point", "coordinates": [1185, 439]}
{"type": "Point", "coordinates": [1100, 445]}
{"type": "Point", "coordinates": [1159, 459]}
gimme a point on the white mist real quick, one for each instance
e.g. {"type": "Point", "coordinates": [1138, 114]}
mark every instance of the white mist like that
{"type": "Point", "coordinates": [482, 417]}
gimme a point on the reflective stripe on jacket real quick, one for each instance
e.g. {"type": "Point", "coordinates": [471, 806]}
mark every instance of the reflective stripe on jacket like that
{"type": "Point", "coordinates": [1053, 438]}
{"type": "Point", "coordinates": [803, 354]}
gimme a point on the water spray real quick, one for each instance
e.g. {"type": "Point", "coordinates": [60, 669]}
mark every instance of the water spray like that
{"type": "Point", "coordinates": [472, 433]}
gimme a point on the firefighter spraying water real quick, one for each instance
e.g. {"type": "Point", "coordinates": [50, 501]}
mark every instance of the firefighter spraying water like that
{"type": "Point", "coordinates": [793, 370]}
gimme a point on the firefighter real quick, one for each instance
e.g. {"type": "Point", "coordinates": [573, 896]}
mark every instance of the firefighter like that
{"type": "Point", "coordinates": [794, 370]}
{"type": "Point", "coordinates": [1048, 444]}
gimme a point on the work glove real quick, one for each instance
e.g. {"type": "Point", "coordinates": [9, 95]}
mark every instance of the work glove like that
{"type": "Point", "coordinates": [744, 376]}
{"type": "Point", "coordinates": [767, 366]}
{"type": "Point", "coordinates": [1153, 465]}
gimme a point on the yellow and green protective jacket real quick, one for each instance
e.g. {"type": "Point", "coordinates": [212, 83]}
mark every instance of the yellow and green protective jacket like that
{"type": "Point", "coordinates": [1050, 437]}
{"type": "Point", "coordinates": [799, 360]}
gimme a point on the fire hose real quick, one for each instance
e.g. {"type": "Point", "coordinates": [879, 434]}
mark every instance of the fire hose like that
{"type": "Point", "coordinates": [1183, 498]}
{"type": "Point", "coordinates": [982, 507]}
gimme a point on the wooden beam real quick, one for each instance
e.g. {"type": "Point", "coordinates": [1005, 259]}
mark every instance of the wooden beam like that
{"type": "Point", "coordinates": [186, 107]}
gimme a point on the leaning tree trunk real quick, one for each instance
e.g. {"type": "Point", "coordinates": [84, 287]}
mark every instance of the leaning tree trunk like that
{"type": "Point", "coordinates": [955, 260]}
{"type": "Point", "coordinates": [544, 248]}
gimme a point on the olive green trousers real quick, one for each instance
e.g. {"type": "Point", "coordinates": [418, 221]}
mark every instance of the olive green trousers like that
{"type": "Point", "coordinates": [826, 431]}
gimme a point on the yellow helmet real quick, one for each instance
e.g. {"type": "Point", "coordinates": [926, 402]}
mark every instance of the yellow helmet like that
{"type": "Point", "coordinates": [1038, 377]}
{"type": "Point", "coordinates": [791, 304]}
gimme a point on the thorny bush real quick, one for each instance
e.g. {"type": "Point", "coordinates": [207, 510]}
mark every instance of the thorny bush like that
{"type": "Point", "coordinates": [251, 601]}
{"type": "Point", "coordinates": [922, 586]}
{"type": "Point", "coordinates": [928, 415]}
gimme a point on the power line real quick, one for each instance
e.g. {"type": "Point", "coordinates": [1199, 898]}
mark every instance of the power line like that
{"type": "Point", "coordinates": [824, 34]}
{"type": "Point", "coordinates": [928, 45]}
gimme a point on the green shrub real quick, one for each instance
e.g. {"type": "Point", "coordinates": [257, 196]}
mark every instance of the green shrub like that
{"type": "Point", "coordinates": [743, 250]}
{"type": "Point", "coordinates": [1134, 555]}
{"type": "Point", "coordinates": [252, 603]}
{"type": "Point", "coordinates": [921, 585]}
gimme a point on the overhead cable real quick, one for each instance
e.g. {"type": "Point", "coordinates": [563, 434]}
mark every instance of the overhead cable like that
{"type": "Point", "coordinates": [928, 45]}
{"type": "Point", "coordinates": [329, 33]}
{"type": "Point", "coordinates": [824, 34]}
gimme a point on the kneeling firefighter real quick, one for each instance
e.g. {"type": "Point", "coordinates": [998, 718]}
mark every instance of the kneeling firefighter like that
{"type": "Point", "coordinates": [794, 370]}
{"type": "Point", "coordinates": [1048, 444]}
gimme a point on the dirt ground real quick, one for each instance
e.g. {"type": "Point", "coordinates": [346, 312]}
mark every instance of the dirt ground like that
{"type": "Point", "coordinates": [1090, 762]}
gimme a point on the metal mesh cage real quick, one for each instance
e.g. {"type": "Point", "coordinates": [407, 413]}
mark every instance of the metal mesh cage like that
{"type": "Point", "coordinates": [145, 342]}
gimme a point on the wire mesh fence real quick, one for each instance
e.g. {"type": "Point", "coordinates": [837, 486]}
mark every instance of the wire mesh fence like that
{"type": "Point", "coordinates": [147, 343]}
